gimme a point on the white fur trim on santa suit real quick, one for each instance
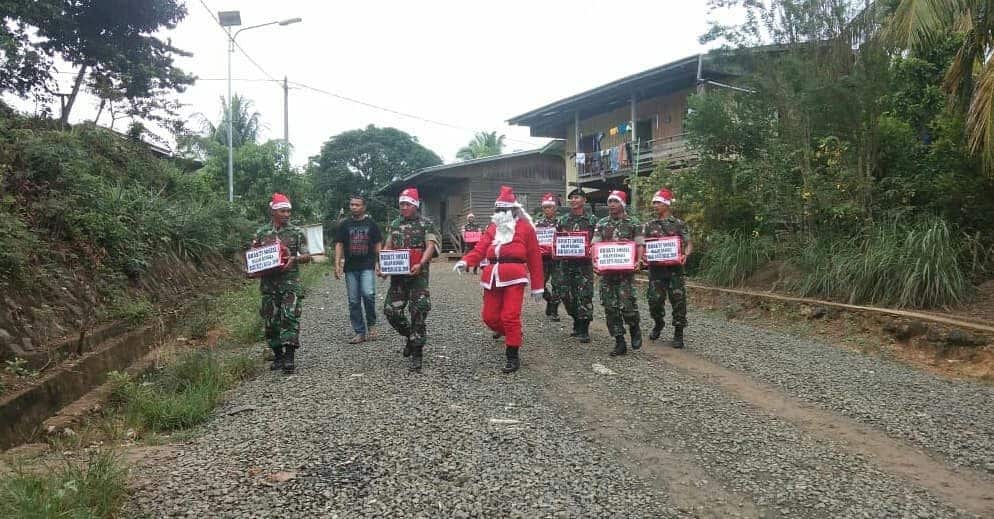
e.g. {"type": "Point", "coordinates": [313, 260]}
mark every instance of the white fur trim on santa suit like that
{"type": "Point", "coordinates": [618, 198]}
{"type": "Point", "coordinates": [410, 200]}
{"type": "Point", "coordinates": [280, 205]}
{"type": "Point", "coordinates": [658, 198]}
{"type": "Point", "coordinates": [506, 204]}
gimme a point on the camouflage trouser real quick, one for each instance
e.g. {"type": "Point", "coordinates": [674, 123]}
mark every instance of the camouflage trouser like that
{"type": "Point", "coordinates": [410, 292]}
{"type": "Point", "coordinates": [576, 288]}
{"type": "Point", "coordinates": [281, 316]}
{"type": "Point", "coordinates": [618, 298]}
{"type": "Point", "coordinates": [551, 273]}
{"type": "Point", "coordinates": [665, 282]}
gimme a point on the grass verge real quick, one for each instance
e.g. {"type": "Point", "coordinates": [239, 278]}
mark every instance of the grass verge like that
{"type": "Point", "coordinates": [96, 487]}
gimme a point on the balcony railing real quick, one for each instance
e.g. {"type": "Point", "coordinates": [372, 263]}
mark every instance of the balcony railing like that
{"type": "Point", "coordinates": [673, 150]}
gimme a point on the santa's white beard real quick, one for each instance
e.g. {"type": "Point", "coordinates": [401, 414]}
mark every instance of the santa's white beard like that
{"type": "Point", "coordinates": [505, 222]}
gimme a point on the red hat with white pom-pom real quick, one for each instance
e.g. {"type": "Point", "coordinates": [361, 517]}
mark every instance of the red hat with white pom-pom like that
{"type": "Point", "coordinates": [548, 199]}
{"type": "Point", "coordinates": [280, 201]}
{"type": "Point", "coordinates": [663, 195]}
{"type": "Point", "coordinates": [410, 195]}
{"type": "Point", "coordinates": [506, 198]}
{"type": "Point", "coordinates": [620, 196]}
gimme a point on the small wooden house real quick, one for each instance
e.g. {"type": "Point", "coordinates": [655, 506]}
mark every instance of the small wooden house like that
{"type": "Point", "coordinates": [451, 191]}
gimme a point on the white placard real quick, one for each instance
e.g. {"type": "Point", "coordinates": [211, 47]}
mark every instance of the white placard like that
{"type": "Point", "coordinates": [615, 256]}
{"type": "Point", "coordinates": [663, 250]}
{"type": "Point", "coordinates": [262, 258]}
{"type": "Point", "coordinates": [395, 262]}
{"type": "Point", "coordinates": [571, 246]}
{"type": "Point", "coordinates": [315, 239]}
{"type": "Point", "coordinates": [545, 235]}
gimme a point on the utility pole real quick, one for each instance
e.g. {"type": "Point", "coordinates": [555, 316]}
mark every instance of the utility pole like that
{"type": "Point", "coordinates": [286, 112]}
{"type": "Point", "coordinates": [231, 115]}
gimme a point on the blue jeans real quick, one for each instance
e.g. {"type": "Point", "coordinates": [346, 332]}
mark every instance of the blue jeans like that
{"type": "Point", "coordinates": [361, 286]}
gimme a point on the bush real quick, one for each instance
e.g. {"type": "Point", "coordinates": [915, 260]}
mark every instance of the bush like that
{"type": "Point", "coordinates": [731, 258]}
{"type": "Point", "coordinates": [95, 488]}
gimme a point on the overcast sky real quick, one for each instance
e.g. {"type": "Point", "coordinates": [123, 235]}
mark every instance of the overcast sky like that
{"type": "Point", "coordinates": [467, 64]}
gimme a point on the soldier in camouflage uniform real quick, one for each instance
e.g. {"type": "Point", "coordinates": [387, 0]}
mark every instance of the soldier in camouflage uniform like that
{"type": "Point", "coordinates": [576, 277]}
{"type": "Point", "coordinates": [411, 231]}
{"type": "Point", "coordinates": [665, 280]}
{"type": "Point", "coordinates": [471, 226]}
{"type": "Point", "coordinates": [281, 289]}
{"type": "Point", "coordinates": [550, 266]}
{"type": "Point", "coordinates": [618, 288]}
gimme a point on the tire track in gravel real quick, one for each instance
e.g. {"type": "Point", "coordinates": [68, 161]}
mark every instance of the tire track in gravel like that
{"type": "Point", "coordinates": [962, 487]}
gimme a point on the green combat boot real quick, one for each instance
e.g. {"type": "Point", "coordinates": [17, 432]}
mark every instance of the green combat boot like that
{"type": "Point", "coordinates": [288, 365]}
{"type": "Point", "coordinates": [620, 348]}
{"type": "Point", "coordinates": [657, 330]}
{"type": "Point", "coordinates": [513, 361]}
{"type": "Point", "coordinates": [277, 359]}
{"type": "Point", "coordinates": [636, 332]}
{"type": "Point", "coordinates": [678, 337]}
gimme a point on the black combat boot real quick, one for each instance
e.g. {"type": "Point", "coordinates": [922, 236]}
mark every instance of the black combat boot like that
{"type": "Point", "coordinates": [417, 354]}
{"type": "Point", "coordinates": [288, 365]}
{"type": "Point", "coordinates": [620, 348]}
{"type": "Point", "coordinates": [678, 337]}
{"type": "Point", "coordinates": [513, 361]}
{"type": "Point", "coordinates": [636, 332]}
{"type": "Point", "coordinates": [408, 347]}
{"type": "Point", "coordinates": [554, 315]}
{"type": "Point", "coordinates": [577, 326]}
{"type": "Point", "coordinates": [584, 334]}
{"type": "Point", "coordinates": [657, 330]}
{"type": "Point", "coordinates": [277, 359]}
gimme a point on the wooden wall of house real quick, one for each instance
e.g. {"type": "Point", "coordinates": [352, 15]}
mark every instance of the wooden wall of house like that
{"type": "Point", "coordinates": [531, 177]}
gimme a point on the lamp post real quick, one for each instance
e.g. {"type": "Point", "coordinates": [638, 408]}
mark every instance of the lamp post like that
{"type": "Point", "coordinates": [229, 19]}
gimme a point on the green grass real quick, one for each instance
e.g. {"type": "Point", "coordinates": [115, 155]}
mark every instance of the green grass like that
{"type": "Point", "coordinates": [94, 488]}
{"type": "Point", "coordinates": [731, 258]}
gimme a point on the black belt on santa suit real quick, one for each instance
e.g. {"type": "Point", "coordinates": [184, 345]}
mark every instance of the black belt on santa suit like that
{"type": "Point", "coordinates": [504, 260]}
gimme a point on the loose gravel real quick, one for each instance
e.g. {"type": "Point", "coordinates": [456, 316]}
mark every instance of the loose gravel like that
{"type": "Point", "coordinates": [352, 434]}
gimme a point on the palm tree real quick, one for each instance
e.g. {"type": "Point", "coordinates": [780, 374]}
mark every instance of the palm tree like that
{"type": "Point", "coordinates": [483, 145]}
{"type": "Point", "coordinates": [970, 78]}
{"type": "Point", "coordinates": [245, 125]}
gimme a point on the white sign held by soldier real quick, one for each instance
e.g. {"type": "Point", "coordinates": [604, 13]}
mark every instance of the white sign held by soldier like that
{"type": "Point", "coordinates": [570, 245]}
{"type": "Point", "coordinates": [663, 251]}
{"type": "Point", "coordinates": [545, 235]}
{"type": "Point", "coordinates": [395, 262]}
{"type": "Point", "coordinates": [261, 259]}
{"type": "Point", "coordinates": [614, 256]}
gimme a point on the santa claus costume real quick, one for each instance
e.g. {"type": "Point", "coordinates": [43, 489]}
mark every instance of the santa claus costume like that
{"type": "Point", "coordinates": [514, 260]}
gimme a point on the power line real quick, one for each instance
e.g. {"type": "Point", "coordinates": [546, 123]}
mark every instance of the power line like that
{"type": "Point", "coordinates": [237, 45]}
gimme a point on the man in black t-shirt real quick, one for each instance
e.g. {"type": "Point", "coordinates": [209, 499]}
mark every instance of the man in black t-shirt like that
{"type": "Point", "coordinates": [357, 251]}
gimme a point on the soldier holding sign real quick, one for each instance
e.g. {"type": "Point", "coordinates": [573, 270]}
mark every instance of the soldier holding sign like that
{"type": "Point", "coordinates": [471, 232]}
{"type": "Point", "coordinates": [576, 275]}
{"type": "Point", "coordinates": [415, 233]}
{"type": "Point", "coordinates": [617, 287]}
{"type": "Point", "coordinates": [280, 287]}
{"type": "Point", "coordinates": [545, 228]}
{"type": "Point", "coordinates": [666, 277]}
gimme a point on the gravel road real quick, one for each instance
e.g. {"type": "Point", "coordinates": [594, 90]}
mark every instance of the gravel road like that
{"type": "Point", "coordinates": [575, 433]}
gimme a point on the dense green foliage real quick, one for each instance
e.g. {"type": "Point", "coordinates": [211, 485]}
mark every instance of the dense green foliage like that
{"type": "Point", "coordinates": [851, 166]}
{"type": "Point", "coordinates": [484, 144]}
{"type": "Point", "coordinates": [92, 199]}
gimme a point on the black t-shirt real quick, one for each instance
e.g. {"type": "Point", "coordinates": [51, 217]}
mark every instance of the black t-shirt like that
{"type": "Point", "coordinates": [359, 239]}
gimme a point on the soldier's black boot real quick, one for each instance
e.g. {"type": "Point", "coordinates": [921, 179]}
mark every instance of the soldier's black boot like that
{"type": "Point", "coordinates": [636, 332]}
{"type": "Point", "coordinates": [620, 348]}
{"type": "Point", "coordinates": [408, 347]}
{"type": "Point", "coordinates": [416, 358]}
{"type": "Point", "coordinates": [576, 328]}
{"type": "Point", "coordinates": [657, 330]}
{"type": "Point", "coordinates": [584, 335]}
{"type": "Point", "coordinates": [678, 337]}
{"type": "Point", "coordinates": [288, 365]}
{"type": "Point", "coordinates": [554, 315]}
{"type": "Point", "coordinates": [513, 361]}
{"type": "Point", "coordinates": [277, 359]}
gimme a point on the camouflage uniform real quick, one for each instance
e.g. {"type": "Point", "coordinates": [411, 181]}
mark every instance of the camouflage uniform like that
{"type": "Point", "coordinates": [468, 246]}
{"type": "Point", "coordinates": [550, 266]}
{"type": "Point", "coordinates": [281, 290]}
{"type": "Point", "coordinates": [410, 291]}
{"type": "Point", "coordinates": [617, 290]}
{"type": "Point", "coordinates": [576, 277]}
{"type": "Point", "coordinates": [669, 281]}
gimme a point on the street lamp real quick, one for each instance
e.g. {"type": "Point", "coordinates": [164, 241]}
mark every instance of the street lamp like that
{"type": "Point", "coordinates": [229, 19]}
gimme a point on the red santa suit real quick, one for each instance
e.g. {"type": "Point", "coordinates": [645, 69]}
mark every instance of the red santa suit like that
{"type": "Point", "coordinates": [514, 261]}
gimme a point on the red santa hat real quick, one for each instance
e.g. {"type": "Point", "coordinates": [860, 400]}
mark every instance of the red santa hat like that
{"type": "Point", "coordinates": [410, 195]}
{"type": "Point", "coordinates": [663, 195]}
{"type": "Point", "coordinates": [619, 196]}
{"type": "Point", "coordinates": [470, 215]}
{"type": "Point", "coordinates": [506, 198]}
{"type": "Point", "coordinates": [548, 199]}
{"type": "Point", "coordinates": [280, 201]}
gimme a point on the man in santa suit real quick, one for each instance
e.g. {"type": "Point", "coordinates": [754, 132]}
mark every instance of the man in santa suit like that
{"type": "Point", "coordinates": [514, 260]}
